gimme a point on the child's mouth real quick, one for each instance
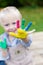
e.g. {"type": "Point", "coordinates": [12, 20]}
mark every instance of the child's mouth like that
{"type": "Point", "coordinates": [10, 30]}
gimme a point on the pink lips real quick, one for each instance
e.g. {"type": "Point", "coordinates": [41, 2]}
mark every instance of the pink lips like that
{"type": "Point", "coordinates": [10, 30]}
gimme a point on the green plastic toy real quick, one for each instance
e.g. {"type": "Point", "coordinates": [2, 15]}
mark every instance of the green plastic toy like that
{"type": "Point", "coordinates": [3, 44]}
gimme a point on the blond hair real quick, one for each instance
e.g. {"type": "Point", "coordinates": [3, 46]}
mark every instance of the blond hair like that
{"type": "Point", "coordinates": [6, 12]}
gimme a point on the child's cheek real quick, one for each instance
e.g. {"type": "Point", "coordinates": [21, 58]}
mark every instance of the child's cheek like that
{"type": "Point", "coordinates": [6, 29]}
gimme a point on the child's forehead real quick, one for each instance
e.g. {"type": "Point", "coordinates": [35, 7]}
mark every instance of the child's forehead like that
{"type": "Point", "coordinates": [10, 19]}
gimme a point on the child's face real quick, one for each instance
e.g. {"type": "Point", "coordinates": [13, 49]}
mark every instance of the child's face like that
{"type": "Point", "coordinates": [9, 24]}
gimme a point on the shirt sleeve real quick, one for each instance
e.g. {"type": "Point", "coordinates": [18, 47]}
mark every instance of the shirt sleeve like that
{"type": "Point", "coordinates": [29, 42]}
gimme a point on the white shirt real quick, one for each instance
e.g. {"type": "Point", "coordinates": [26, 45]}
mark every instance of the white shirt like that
{"type": "Point", "coordinates": [18, 48]}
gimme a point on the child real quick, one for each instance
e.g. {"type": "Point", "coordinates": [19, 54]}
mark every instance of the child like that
{"type": "Point", "coordinates": [18, 48]}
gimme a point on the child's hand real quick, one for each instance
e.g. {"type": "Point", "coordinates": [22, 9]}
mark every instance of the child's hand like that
{"type": "Point", "coordinates": [4, 52]}
{"type": "Point", "coordinates": [3, 44]}
{"type": "Point", "coordinates": [22, 33]}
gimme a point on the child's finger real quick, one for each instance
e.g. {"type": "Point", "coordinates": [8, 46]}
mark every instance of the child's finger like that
{"type": "Point", "coordinates": [31, 31]}
{"type": "Point", "coordinates": [13, 34]}
{"type": "Point", "coordinates": [22, 24]}
{"type": "Point", "coordinates": [28, 26]}
{"type": "Point", "coordinates": [18, 24]}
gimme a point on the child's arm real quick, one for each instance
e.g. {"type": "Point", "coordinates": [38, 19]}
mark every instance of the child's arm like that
{"type": "Point", "coordinates": [27, 41]}
{"type": "Point", "coordinates": [28, 38]}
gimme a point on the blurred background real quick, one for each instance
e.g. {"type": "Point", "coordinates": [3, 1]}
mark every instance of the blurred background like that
{"type": "Point", "coordinates": [31, 10]}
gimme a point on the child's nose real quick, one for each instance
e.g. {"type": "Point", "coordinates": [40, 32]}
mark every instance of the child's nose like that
{"type": "Point", "coordinates": [12, 27]}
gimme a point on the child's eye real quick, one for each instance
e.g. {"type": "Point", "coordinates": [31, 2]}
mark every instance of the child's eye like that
{"type": "Point", "coordinates": [6, 24]}
{"type": "Point", "coordinates": [13, 23]}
